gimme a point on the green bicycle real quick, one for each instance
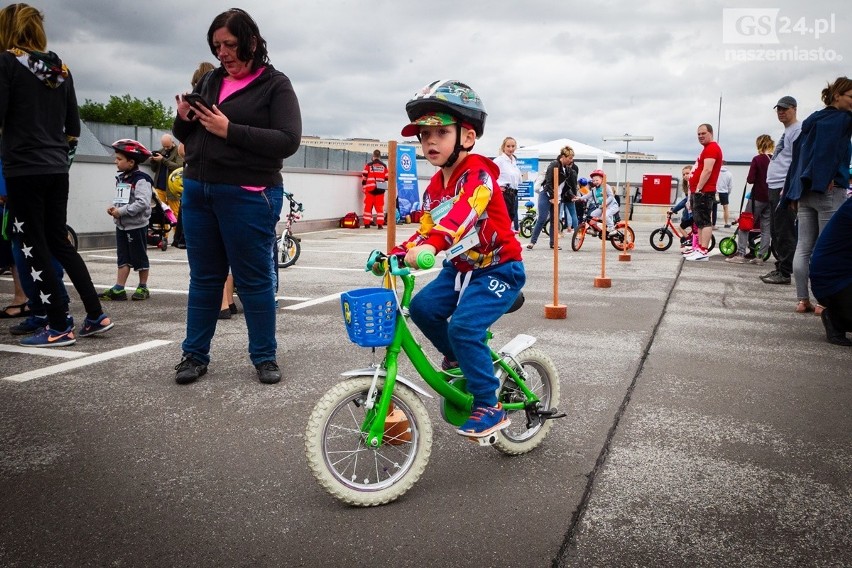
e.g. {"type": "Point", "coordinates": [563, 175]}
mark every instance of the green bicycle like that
{"type": "Point", "coordinates": [369, 438]}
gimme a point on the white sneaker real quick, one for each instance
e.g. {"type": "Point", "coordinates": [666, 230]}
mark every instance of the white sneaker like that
{"type": "Point", "coordinates": [686, 251]}
{"type": "Point", "coordinates": [698, 255]}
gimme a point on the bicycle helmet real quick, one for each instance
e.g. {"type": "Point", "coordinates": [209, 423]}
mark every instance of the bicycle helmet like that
{"type": "Point", "coordinates": [132, 150]}
{"type": "Point", "coordinates": [583, 181]}
{"type": "Point", "coordinates": [176, 182]}
{"type": "Point", "coordinates": [597, 173]}
{"type": "Point", "coordinates": [446, 102]}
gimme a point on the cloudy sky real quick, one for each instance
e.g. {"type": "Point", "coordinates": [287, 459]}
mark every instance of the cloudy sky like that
{"type": "Point", "coordinates": [545, 69]}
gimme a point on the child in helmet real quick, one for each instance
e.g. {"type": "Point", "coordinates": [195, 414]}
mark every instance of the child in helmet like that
{"type": "Point", "coordinates": [463, 209]}
{"type": "Point", "coordinates": [596, 201]}
{"type": "Point", "coordinates": [131, 210]}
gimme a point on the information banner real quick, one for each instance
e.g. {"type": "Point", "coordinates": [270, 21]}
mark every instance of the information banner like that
{"type": "Point", "coordinates": [528, 164]}
{"type": "Point", "coordinates": [407, 190]}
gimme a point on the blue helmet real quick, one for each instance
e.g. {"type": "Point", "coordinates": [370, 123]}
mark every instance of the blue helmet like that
{"type": "Point", "coordinates": [583, 181]}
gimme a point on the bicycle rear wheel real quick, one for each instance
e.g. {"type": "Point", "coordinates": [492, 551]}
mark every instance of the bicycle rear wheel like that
{"type": "Point", "coordinates": [289, 249]}
{"type": "Point", "coordinates": [623, 238]}
{"type": "Point", "coordinates": [345, 466]}
{"type": "Point", "coordinates": [541, 377]}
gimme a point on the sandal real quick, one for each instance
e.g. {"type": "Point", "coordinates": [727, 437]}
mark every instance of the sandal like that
{"type": "Point", "coordinates": [23, 311]}
{"type": "Point", "coordinates": [804, 306]}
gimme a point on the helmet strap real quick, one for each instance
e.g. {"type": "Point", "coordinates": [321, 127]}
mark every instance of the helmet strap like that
{"type": "Point", "coordinates": [459, 148]}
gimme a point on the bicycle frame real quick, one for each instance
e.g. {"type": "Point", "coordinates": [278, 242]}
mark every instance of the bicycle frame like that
{"type": "Point", "coordinates": [672, 227]}
{"type": "Point", "coordinates": [404, 341]}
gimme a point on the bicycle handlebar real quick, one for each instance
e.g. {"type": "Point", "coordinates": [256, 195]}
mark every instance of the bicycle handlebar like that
{"type": "Point", "coordinates": [378, 263]}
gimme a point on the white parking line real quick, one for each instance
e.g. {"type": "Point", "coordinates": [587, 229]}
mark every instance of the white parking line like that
{"type": "Point", "coordinates": [313, 302]}
{"type": "Point", "coordinates": [61, 353]}
{"type": "Point", "coordinates": [85, 361]}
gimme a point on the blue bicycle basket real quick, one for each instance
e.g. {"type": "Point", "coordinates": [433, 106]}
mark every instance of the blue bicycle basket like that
{"type": "Point", "coordinates": [370, 316]}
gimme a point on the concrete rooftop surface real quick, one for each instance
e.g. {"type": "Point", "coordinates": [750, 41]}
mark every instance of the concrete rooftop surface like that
{"type": "Point", "coordinates": [708, 424]}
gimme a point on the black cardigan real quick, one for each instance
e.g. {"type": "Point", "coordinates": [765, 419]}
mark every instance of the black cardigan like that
{"type": "Point", "coordinates": [265, 127]}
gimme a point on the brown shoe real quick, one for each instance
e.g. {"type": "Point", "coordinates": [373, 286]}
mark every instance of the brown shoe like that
{"type": "Point", "coordinates": [804, 307]}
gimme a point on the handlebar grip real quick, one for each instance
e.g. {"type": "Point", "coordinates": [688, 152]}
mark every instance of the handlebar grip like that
{"type": "Point", "coordinates": [425, 260]}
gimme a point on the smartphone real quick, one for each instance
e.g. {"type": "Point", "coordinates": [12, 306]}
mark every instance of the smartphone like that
{"type": "Point", "coordinates": [194, 99]}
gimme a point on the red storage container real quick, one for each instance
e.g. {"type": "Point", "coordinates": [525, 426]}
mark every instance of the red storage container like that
{"type": "Point", "coordinates": [657, 189]}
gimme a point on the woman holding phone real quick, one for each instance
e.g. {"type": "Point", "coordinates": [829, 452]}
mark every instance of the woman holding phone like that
{"type": "Point", "coordinates": [236, 142]}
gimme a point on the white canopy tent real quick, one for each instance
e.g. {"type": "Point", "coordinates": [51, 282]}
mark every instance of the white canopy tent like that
{"type": "Point", "coordinates": [550, 150]}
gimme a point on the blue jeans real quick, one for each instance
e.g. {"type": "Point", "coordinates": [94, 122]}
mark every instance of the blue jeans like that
{"type": "Point", "coordinates": [545, 210]}
{"type": "Point", "coordinates": [228, 226]}
{"type": "Point", "coordinates": [458, 328]}
{"type": "Point", "coordinates": [568, 212]}
{"type": "Point", "coordinates": [815, 209]}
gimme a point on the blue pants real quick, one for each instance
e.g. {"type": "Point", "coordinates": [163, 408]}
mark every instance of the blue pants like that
{"type": "Point", "coordinates": [458, 328]}
{"type": "Point", "coordinates": [228, 226]}
{"type": "Point", "coordinates": [568, 212]}
{"type": "Point", "coordinates": [545, 210]}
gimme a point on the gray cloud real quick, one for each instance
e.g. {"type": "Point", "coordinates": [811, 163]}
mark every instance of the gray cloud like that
{"type": "Point", "coordinates": [544, 69]}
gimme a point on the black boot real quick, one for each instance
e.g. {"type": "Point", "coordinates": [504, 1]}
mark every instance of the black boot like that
{"type": "Point", "coordinates": [832, 334]}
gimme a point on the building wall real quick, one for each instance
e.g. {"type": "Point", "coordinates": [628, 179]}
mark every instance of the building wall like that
{"type": "Point", "coordinates": [326, 194]}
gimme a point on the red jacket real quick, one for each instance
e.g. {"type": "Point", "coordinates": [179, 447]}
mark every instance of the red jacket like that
{"type": "Point", "coordinates": [373, 172]}
{"type": "Point", "coordinates": [477, 207]}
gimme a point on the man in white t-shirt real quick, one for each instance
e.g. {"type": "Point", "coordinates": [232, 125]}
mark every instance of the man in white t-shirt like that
{"type": "Point", "coordinates": [783, 228]}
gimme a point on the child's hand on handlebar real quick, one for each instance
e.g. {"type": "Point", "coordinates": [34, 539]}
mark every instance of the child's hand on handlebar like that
{"type": "Point", "coordinates": [411, 255]}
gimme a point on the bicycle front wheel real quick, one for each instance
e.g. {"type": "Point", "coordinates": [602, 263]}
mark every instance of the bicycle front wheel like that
{"type": "Point", "coordinates": [289, 250]}
{"type": "Point", "coordinates": [526, 227]}
{"type": "Point", "coordinates": [661, 239]}
{"type": "Point", "coordinates": [578, 237]}
{"type": "Point", "coordinates": [541, 378]}
{"type": "Point", "coordinates": [350, 470]}
{"type": "Point", "coordinates": [72, 237]}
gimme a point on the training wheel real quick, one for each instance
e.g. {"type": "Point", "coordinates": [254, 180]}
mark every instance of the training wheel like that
{"type": "Point", "coordinates": [601, 282]}
{"type": "Point", "coordinates": [558, 311]}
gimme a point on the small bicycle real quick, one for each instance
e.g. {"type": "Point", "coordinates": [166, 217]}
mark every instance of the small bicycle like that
{"type": "Point", "coordinates": [369, 438]}
{"type": "Point", "coordinates": [621, 236]}
{"type": "Point", "coordinates": [661, 239]}
{"type": "Point", "coordinates": [289, 247]}
{"type": "Point", "coordinates": [728, 245]}
{"type": "Point", "coordinates": [527, 223]}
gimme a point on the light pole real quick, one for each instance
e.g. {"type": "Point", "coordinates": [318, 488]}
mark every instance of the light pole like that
{"type": "Point", "coordinates": [627, 138]}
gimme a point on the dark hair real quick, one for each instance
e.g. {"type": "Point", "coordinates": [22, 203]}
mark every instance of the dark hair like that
{"type": "Point", "coordinates": [840, 86]}
{"type": "Point", "coordinates": [244, 28]}
{"type": "Point", "coordinates": [709, 127]}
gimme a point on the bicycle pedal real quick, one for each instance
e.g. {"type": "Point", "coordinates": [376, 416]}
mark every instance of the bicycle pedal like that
{"type": "Point", "coordinates": [551, 414]}
{"type": "Point", "coordinates": [488, 440]}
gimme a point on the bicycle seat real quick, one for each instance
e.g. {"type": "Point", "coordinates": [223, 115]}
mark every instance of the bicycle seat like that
{"type": "Point", "coordinates": [519, 301]}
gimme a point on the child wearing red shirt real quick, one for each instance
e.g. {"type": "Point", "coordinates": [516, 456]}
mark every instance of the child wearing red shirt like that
{"type": "Point", "coordinates": [464, 213]}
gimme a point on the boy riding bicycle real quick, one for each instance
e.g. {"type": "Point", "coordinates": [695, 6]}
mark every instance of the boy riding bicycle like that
{"type": "Point", "coordinates": [464, 213]}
